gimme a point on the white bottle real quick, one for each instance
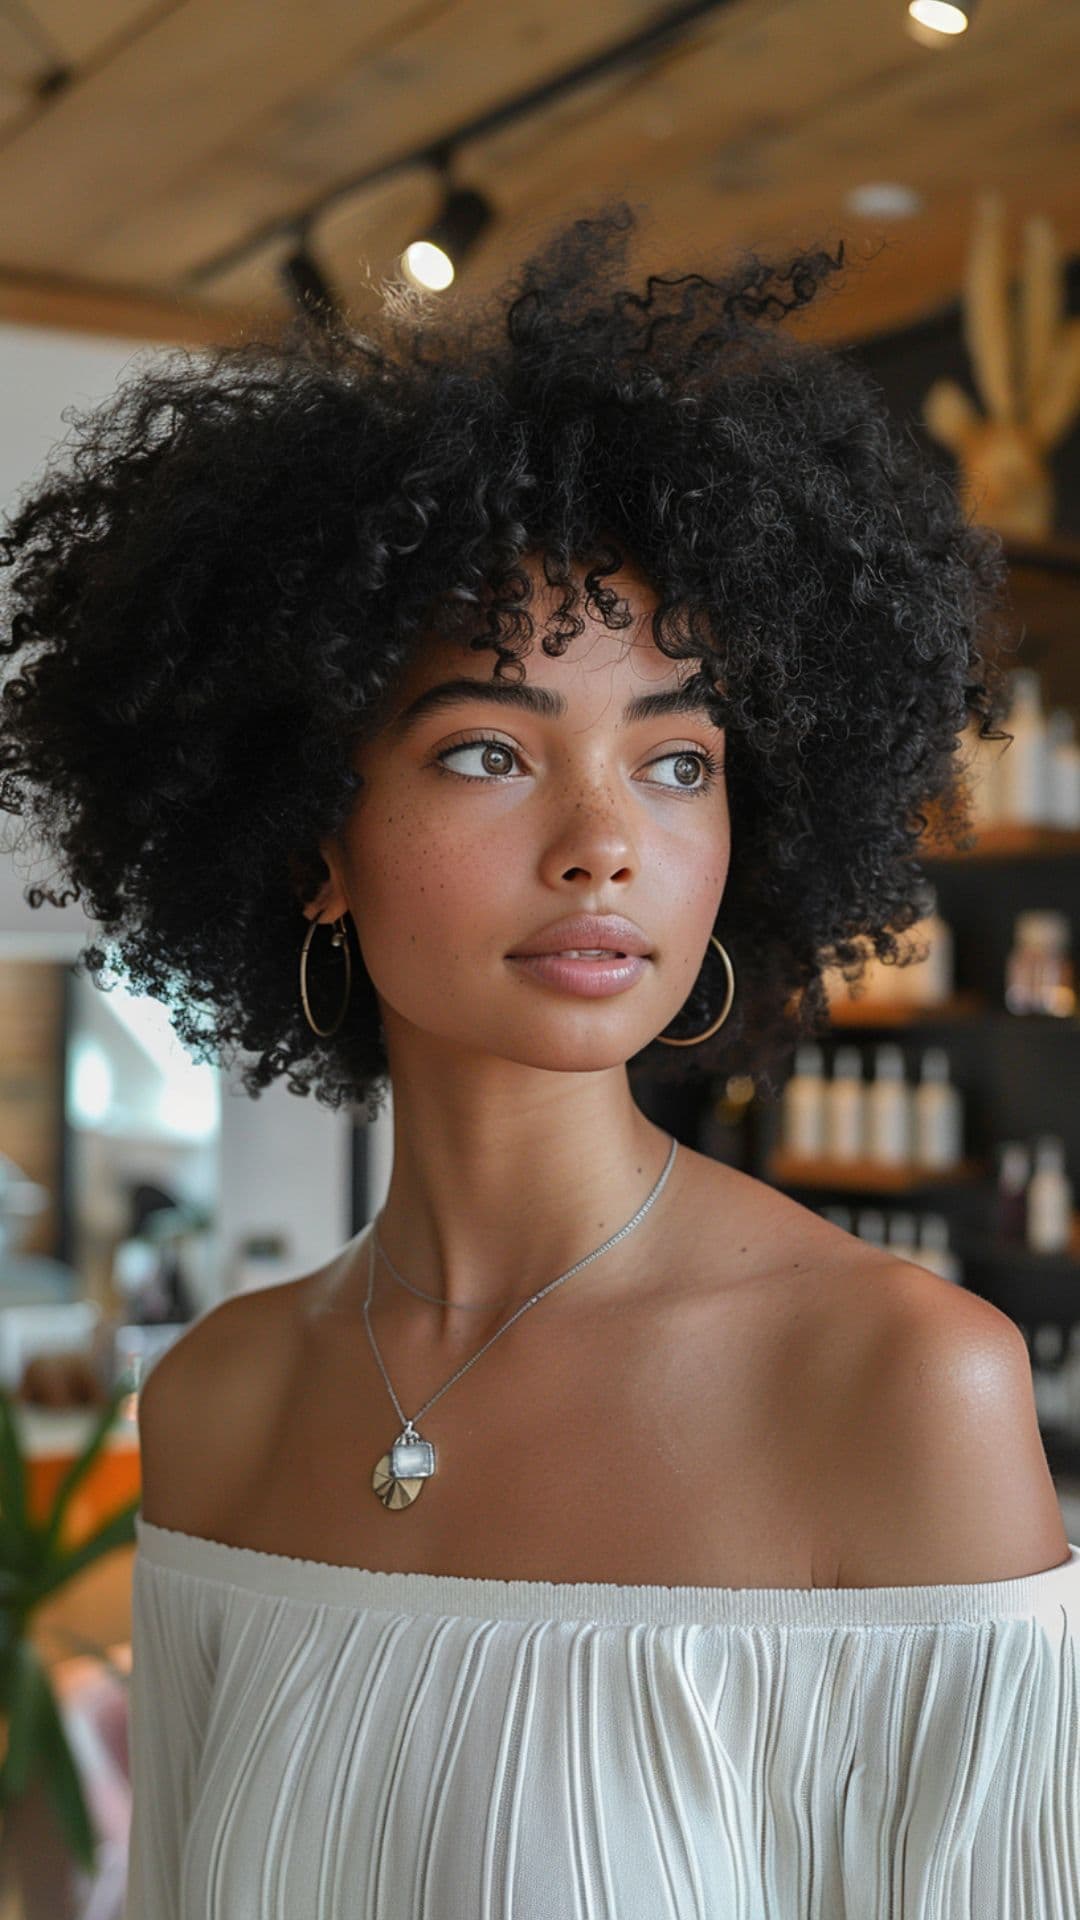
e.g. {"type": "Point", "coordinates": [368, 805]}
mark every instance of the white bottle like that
{"type": "Point", "coordinates": [934, 1251]}
{"type": "Point", "coordinates": [869, 987]}
{"type": "Point", "coordinates": [981, 760]}
{"type": "Point", "coordinates": [928, 982]}
{"type": "Point", "coordinates": [1025, 758]}
{"type": "Point", "coordinates": [900, 1233]}
{"type": "Point", "coordinates": [888, 1108]}
{"type": "Point", "coordinates": [939, 1113]}
{"type": "Point", "coordinates": [803, 1103]}
{"type": "Point", "coordinates": [1049, 1197]}
{"type": "Point", "coordinates": [1039, 975]}
{"type": "Point", "coordinates": [876, 981]}
{"type": "Point", "coordinates": [1063, 808]}
{"type": "Point", "coordinates": [840, 1217]}
{"type": "Point", "coordinates": [845, 1135]}
{"type": "Point", "coordinates": [870, 1225]}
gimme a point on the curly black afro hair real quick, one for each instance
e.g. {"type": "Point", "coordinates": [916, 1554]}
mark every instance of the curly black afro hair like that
{"type": "Point", "coordinates": [213, 598]}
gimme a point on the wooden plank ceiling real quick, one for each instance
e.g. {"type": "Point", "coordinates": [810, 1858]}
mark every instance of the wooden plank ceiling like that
{"type": "Point", "coordinates": [154, 158]}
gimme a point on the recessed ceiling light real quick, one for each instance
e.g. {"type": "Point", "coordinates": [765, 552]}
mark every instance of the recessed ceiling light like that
{"type": "Point", "coordinates": [942, 16]}
{"type": "Point", "coordinates": [938, 22]}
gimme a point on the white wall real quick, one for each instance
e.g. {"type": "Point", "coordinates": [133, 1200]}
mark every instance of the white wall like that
{"type": "Point", "coordinates": [283, 1159]}
{"type": "Point", "coordinates": [42, 373]}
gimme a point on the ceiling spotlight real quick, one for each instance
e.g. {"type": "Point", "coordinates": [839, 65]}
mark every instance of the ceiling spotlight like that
{"type": "Point", "coordinates": [432, 260]}
{"type": "Point", "coordinates": [941, 17]}
{"type": "Point", "coordinates": [308, 288]}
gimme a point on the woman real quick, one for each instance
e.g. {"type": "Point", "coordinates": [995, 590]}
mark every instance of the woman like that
{"type": "Point", "coordinates": [599, 1531]}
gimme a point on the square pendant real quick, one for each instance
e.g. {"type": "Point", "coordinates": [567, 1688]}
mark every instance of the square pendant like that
{"type": "Point", "coordinates": [412, 1459]}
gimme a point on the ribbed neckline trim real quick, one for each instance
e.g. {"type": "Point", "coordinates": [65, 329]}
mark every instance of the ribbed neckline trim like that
{"type": "Point", "coordinates": [317, 1582]}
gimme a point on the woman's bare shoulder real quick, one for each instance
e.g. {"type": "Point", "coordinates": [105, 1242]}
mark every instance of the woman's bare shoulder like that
{"type": "Point", "coordinates": [834, 1300]}
{"type": "Point", "coordinates": [929, 1464]}
{"type": "Point", "coordinates": [748, 1221]}
{"type": "Point", "coordinates": [205, 1406]}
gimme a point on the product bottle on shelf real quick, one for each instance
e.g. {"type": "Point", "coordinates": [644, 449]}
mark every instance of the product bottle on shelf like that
{"type": "Point", "coordinates": [900, 1233]}
{"type": "Point", "coordinates": [1023, 791]}
{"type": "Point", "coordinates": [1064, 769]}
{"type": "Point", "coordinates": [871, 985]}
{"type": "Point", "coordinates": [934, 1250]}
{"type": "Point", "coordinates": [1010, 1206]}
{"type": "Point", "coordinates": [845, 1099]}
{"type": "Point", "coordinates": [840, 1217]}
{"type": "Point", "coordinates": [980, 759]}
{"type": "Point", "coordinates": [888, 1108]}
{"type": "Point", "coordinates": [938, 1113]}
{"type": "Point", "coordinates": [1039, 974]}
{"type": "Point", "coordinates": [870, 1225]}
{"type": "Point", "coordinates": [803, 1103]}
{"type": "Point", "coordinates": [926, 983]}
{"type": "Point", "coordinates": [877, 980]}
{"type": "Point", "coordinates": [1049, 1197]}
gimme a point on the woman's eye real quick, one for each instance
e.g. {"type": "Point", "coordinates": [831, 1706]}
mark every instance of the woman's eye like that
{"type": "Point", "coordinates": [477, 746]}
{"type": "Point", "coordinates": [487, 746]}
{"type": "Point", "coordinates": [710, 768]}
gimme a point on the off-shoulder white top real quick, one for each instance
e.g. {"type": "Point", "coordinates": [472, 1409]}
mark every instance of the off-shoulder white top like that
{"type": "Point", "coordinates": [316, 1742]}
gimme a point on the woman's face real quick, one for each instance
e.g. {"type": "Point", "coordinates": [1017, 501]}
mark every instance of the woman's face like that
{"type": "Point", "coordinates": [482, 822]}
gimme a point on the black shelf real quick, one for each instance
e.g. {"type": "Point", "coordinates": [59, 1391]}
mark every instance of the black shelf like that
{"type": "Point", "coordinates": [1023, 1259]}
{"type": "Point", "coordinates": [1062, 1452]}
{"type": "Point", "coordinates": [1031, 1296]}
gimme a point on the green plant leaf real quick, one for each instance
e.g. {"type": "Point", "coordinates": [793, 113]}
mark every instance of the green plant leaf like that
{"type": "Point", "coordinates": [6, 1667]}
{"type": "Point", "coordinates": [64, 1783]}
{"type": "Point", "coordinates": [15, 1589]}
{"type": "Point", "coordinates": [81, 1466]}
{"type": "Point", "coordinates": [13, 1501]}
{"type": "Point", "coordinates": [27, 1681]}
{"type": "Point", "coordinates": [117, 1531]}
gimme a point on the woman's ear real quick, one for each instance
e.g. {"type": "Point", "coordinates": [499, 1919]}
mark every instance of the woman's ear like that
{"type": "Point", "coordinates": [329, 903]}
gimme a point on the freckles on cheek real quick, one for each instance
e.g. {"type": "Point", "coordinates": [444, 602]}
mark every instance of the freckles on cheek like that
{"type": "Point", "coordinates": [698, 884]}
{"type": "Point", "coordinates": [403, 837]}
{"type": "Point", "coordinates": [389, 859]}
{"type": "Point", "coordinates": [414, 853]}
{"type": "Point", "coordinates": [442, 833]}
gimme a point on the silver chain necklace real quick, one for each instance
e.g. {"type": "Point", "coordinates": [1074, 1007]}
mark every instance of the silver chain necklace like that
{"type": "Point", "coordinates": [400, 1473]}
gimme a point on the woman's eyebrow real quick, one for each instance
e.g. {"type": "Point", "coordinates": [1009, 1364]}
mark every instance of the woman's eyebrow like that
{"type": "Point", "coordinates": [543, 701]}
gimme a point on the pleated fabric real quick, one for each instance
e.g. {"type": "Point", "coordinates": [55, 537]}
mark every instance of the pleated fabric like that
{"type": "Point", "coordinates": [313, 1742]}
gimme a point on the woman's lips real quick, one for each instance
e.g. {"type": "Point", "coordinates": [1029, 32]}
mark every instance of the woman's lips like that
{"type": "Point", "coordinates": [593, 979]}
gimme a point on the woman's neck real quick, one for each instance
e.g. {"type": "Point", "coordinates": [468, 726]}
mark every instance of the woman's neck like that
{"type": "Point", "coordinates": [482, 1241]}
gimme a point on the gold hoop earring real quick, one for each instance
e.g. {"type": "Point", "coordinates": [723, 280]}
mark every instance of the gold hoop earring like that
{"type": "Point", "coordinates": [339, 939]}
{"type": "Point", "coordinates": [726, 1009]}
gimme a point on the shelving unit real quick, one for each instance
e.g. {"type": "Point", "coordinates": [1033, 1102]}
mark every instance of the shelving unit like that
{"type": "Point", "coordinates": [1019, 1074]}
